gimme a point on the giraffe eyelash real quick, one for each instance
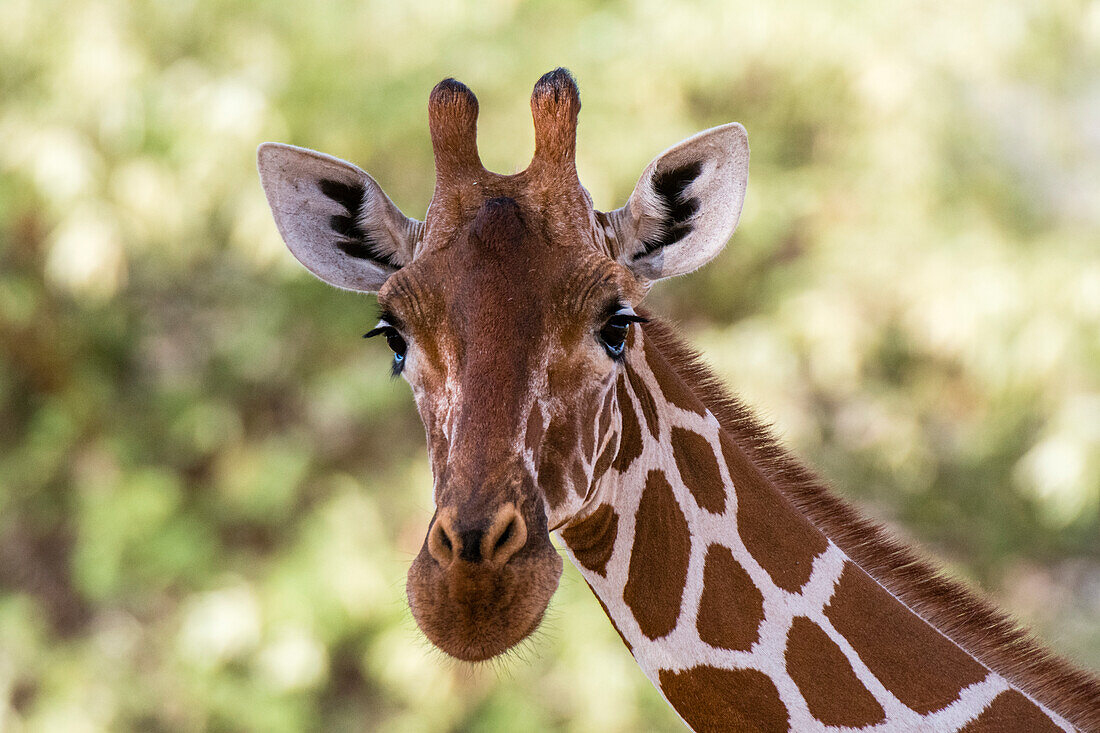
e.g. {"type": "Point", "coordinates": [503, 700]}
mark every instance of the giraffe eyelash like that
{"type": "Point", "coordinates": [394, 340]}
{"type": "Point", "coordinates": [612, 334]}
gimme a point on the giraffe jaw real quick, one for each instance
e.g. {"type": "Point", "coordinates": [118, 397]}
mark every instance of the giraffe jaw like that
{"type": "Point", "coordinates": [474, 613]}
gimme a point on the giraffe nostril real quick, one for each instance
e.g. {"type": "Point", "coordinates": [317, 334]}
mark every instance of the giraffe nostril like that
{"type": "Point", "coordinates": [441, 544]}
{"type": "Point", "coordinates": [449, 540]}
{"type": "Point", "coordinates": [504, 536]}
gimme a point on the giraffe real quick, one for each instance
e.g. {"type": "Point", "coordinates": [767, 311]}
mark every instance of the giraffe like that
{"type": "Point", "coordinates": [554, 404]}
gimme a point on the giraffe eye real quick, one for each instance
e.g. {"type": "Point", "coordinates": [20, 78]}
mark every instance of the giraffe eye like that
{"type": "Point", "coordinates": [614, 331]}
{"type": "Point", "coordinates": [393, 340]}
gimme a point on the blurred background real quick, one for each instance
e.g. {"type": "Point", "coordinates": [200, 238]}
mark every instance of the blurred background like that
{"type": "Point", "coordinates": [210, 489]}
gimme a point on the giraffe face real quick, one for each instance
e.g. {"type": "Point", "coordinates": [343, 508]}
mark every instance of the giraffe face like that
{"type": "Point", "coordinates": [509, 310]}
{"type": "Point", "coordinates": [505, 350]}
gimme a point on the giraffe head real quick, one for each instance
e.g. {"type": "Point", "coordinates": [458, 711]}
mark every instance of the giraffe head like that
{"type": "Point", "coordinates": [509, 311]}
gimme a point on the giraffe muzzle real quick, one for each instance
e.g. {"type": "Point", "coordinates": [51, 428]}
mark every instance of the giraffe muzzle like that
{"type": "Point", "coordinates": [483, 579]}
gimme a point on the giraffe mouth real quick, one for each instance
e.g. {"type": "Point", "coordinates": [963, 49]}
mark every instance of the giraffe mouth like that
{"type": "Point", "coordinates": [475, 612]}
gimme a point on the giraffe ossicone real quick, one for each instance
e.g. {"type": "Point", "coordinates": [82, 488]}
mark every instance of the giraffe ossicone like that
{"type": "Point", "coordinates": [749, 595]}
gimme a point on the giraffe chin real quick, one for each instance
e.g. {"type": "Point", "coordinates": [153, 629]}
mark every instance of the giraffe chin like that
{"type": "Point", "coordinates": [474, 613]}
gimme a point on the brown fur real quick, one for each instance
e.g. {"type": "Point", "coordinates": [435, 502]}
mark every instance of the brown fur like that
{"type": "Point", "coordinates": [555, 104]}
{"type": "Point", "coordinates": [700, 695]}
{"type": "Point", "coordinates": [659, 561]}
{"type": "Point", "coordinates": [592, 540]}
{"type": "Point", "coordinates": [825, 678]}
{"type": "Point", "coordinates": [452, 119]}
{"type": "Point", "coordinates": [974, 624]}
{"type": "Point", "coordinates": [787, 554]}
{"type": "Point", "coordinates": [1010, 710]}
{"type": "Point", "coordinates": [698, 469]}
{"type": "Point", "coordinates": [888, 638]}
{"type": "Point", "coordinates": [630, 442]}
{"type": "Point", "coordinates": [731, 606]}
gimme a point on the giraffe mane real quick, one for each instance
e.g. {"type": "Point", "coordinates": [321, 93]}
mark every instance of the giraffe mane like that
{"type": "Point", "coordinates": [976, 625]}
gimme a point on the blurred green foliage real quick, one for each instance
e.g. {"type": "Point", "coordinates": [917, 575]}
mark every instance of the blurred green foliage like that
{"type": "Point", "coordinates": [209, 488]}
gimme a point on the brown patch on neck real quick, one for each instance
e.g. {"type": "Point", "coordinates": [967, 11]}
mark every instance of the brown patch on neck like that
{"type": "Point", "coordinates": [645, 401]}
{"type": "Point", "coordinates": [592, 539]}
{"type": "Point", "coordinates": [732, 607]}
{"type": "Point", "coordinates": [914, 661]}
{"type": "Point", "coordinates": [675, 390]}
{"type": "Point", "coordinates": [630, 439]}
{"type": "Point", "coordinates": [699, 469]}
{"type": "Point", "coordinates": [712, 699]}
{"type": "Point", "coordinates": [1011, 711]}
{"type": "Point", "coordinates": [978, 627]}
{"type": "Point", "coordinates": [832, 691]}
{"type": "Point", "coordinates": [782, 540]}
{"type": "Point", "coordinates": [658, 559]}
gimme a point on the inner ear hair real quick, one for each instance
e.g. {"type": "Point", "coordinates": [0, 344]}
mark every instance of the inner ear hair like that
{"type": "Point", "coordinates": [355, 237]}
{"type": "Point", "coordinates": [685, 205]}
{"type": "Point", "coordinates": [335, 218]}
{"type": "Point", "coordinates": [676, 207]}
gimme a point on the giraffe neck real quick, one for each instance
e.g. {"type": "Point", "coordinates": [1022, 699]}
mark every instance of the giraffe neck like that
{"type": "Point", "coordinates": [744, 611]}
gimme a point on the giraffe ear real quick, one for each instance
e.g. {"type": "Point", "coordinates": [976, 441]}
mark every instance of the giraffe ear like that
{"type": "Point", "coordinates": [335, 219]}
{"type": "Point", "coordinates": [685, 206]}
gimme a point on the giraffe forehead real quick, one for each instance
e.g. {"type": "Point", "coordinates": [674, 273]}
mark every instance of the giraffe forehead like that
{"type": "Point", "coordinates": [506, 277]}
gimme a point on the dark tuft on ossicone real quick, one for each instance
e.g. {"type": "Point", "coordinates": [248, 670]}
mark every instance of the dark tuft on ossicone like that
{"type": "Point", "coordinates": [560, 85]}
{"type": "Point", "coordinates": [555, 104]}
{"type": "Point", "coordinates": [451, 90]}
{"type": "Point", "coordinates": [452, 119]}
